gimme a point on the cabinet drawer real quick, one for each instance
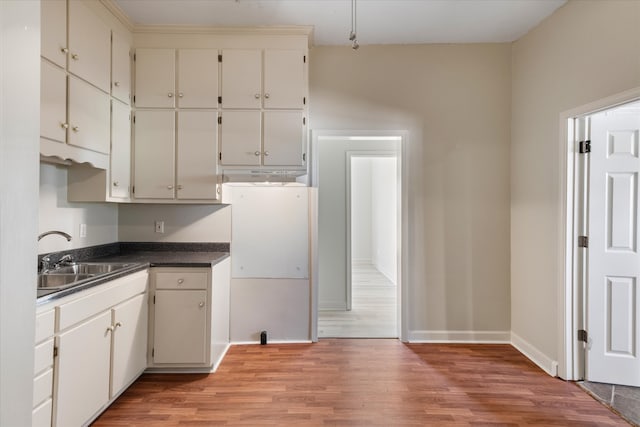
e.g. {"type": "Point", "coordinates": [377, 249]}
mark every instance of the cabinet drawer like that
{"type": "Point", "coordinates": [43, 357]}
{"type": "Point", "coordinates": [182, 280]}
{"type": "Point", "coordinates": [41, 416]}
{"type": "Point", "coordinates": [45, 323]}
{"type": "Point", "coordinates": [42, 387]}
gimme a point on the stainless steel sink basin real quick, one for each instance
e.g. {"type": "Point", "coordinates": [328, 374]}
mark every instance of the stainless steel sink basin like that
{"type": "Point", "coordinates": [94, 268]}
{"type": "Point", "coordinates": [53, 281]}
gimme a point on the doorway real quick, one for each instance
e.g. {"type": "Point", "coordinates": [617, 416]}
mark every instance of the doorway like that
{"type": "Point", "coordinates": [602, 302]}
{"type": "Point", "coordinates": [357, 279]}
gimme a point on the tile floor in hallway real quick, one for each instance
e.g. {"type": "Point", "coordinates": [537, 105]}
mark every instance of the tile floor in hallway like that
{"type": "Point", "coordinates": [622, 399]}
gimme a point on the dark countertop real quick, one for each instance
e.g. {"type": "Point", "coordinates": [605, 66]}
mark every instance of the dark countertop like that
{"type": "Point", "coordinates": [140, 256]}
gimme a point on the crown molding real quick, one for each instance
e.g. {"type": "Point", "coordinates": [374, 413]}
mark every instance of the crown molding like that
{"type": "Point", "coordinates": [115, 9]}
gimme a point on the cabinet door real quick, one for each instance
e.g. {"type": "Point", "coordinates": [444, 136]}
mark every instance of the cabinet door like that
{"type": "Point", "coordinates": [180, 333]}
{"type": "Point", "coordinates": [154, 154]}
{"type": "Point", "coordinates": [284, 80]}
{"type": "Point", "coordinates": [155, 78]}
{"type": "Point", "coordinates": [53, 102]}
{"type": "Point", "coordinates": [120, 69]}
{"type": "Point", "coordinates": [89, 45]}
{"type": "Point", "coordinates": [197, 155]}
{"type": "Point", "coordinates": [53, 31]}
{"type": "Point", "coordinates": [241, 78]}
{"type": "Point", "coordinates": [240, 133]}
{"type": "Point", "coordinates": [129, 342]}
{"type": "Point", "coordinates": [283, 138]}
{"type": "Point", "coordinates": [89, 116]}
{"type": "Point", "coordinates": [82, 371]}
{"type": "Point", "coordinates": [120, 170]}
{"type": "Point", "coordinates": [197, 78]}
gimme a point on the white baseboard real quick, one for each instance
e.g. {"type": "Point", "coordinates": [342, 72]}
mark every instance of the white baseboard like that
{"type": "Point", "coordinates": [272, 342]}
{"type": "Point", "coordinates": [484, 337]}
{"type": "Point", "coordinates": [545, 363]}
{"type": "Point", "coordinates": [218, 361]}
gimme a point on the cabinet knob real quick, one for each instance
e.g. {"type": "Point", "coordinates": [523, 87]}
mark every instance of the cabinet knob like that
{"type": "Point", "coordinates": [257, 95]}
{"type": "Point", "coordinates": [75, 56]}
{"type": "Point", "coordinates": [170, 94]}
{"type": "Point", "coordinates": [180, 281]}
{"type": "Point", "coordinates": [64, 125]}
{"type": "Point", "coordinates": [116, 84]}
{"type": "Point", "coordinates": [169, 187]}
{"type": "Point", "coordinates": [180, 94]}
{"type": "Point", "coordinates": [119, 325]}
{"type": "Point", "coordinates": [116, 183]}
{"type": "Point", "coordinates": [64, 50]}
{"type": "Point", "coordinates": [76, 128]}
{"type": "Point", "coordinates": [257, 153]}
{"type": "Point", "coordinates": [266, 153]}
{"type": "Point", "coordinates": [179, 187]}
{"type": "Point", "coordinates": [110, 329]}
{"type": "Point", "coordinates": [201, 304]}
{"type": "Point", "coordinates": [266, 95]}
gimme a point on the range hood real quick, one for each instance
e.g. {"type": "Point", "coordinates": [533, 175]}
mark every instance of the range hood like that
{"type": "Point", "coordinates": [263, 175]}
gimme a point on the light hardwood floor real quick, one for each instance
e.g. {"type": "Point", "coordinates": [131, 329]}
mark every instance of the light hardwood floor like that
{"type": "Point", "coordinates": [360, 382]}
{"type": "Point", "coordinates": [374, 308]}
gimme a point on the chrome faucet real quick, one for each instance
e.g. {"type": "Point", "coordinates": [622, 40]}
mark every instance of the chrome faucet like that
{"type": "Point", "coordinates": [62, 233]}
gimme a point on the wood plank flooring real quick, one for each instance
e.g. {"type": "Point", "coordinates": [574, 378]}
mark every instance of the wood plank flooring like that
{"type": "Point", "coordinates": [374, 308]}
{"type": "Point", "coordinates": [358, 382]}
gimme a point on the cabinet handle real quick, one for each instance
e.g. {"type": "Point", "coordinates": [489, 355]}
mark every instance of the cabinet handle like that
{"type": "Point", "coordinates": [266, 153]}
{"type": "Point", "coordinates": [75, 56]}
{"type": "Point", "coordinates": [201, 304]}
{"type": "Point", "coordinates": [64, 50]}
{"type": "Point", "coordinates": [76, 128]}
{"type": "Point", "coordinates": [64, 125]}
{"type": "Point", "coordinates": [169, 187]}
{"type": "Point", "coordinates": [119, 325]}
{"type": "Point", "coordinates": [180, 94]}
{"type": "Point", "coordinates": [116, 84]}
{"type": "Point", "coordinates": [257, 153]}
{"type": "Point", "coordinates": [257, 95]}
{"type": "Point", "coordinates": [170, 95]}
{"type": "Point", "coordinates": [179, 187]}
{"type": "Point", "coordinates": [110, 329]}
{"type": "Point", "coordinates": [116, 183]}
{"type": "Point", "coordinates": [180, 281]}
{"type": "Point", "coordinates": [266, 95]}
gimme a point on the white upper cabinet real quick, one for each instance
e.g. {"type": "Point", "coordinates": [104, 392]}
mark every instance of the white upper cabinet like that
{"type": "Point", "coordinates": [155, 78]}
{"type": "Point", "coordinates": [120, 69]}
{"type": "Point", "coordinates": [284, 79]}
{"type": "Point", "coordinates": [197, 78]}
{"type": "Point", "coordinates": [240, 138]}
{"type": "Point", "coordinates": [120, 167]}
{"type": "Point", "coordinates": [283, 138]}
{"type": "Point", "coordinates": [53, 35]}
{"type": "Point", "coordinates": [89, 114]}
{"type": "Point", "coordinates": [89, 46]}
{"type": "Point", "coordinates": [197, 154]}
{"type": "Point", "coordinates": [242, 78]}
{"type": "Point", "coordinates": [154, 154]}
{"type": "Point", "coordinates": [53, 102]}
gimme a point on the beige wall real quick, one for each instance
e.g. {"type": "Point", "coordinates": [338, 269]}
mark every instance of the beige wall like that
{"type": "Point", "coordinates": [585, 51]}
{"type": "Point", "coordinates": [454, 100]}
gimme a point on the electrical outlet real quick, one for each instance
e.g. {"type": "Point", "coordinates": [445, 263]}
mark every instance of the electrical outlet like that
{"type": "Point", "coordinates": [159, 226]}
{"type": "Point", "coordinates": [83, 230]}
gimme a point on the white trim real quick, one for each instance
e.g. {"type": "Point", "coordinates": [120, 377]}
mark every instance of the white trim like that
{"type": "Point", "coordinates": [269, 342]}
{"type": "Point", "coordinates": [536, 356]}
{"type": "Point", "coordinates": [568, 360]}
{"type": "Point", "coordinates": [470, 337]}
{"type": "Point", "coordinates": [218, 361]}
{"type": "Point", "coordinates": [333, 305]}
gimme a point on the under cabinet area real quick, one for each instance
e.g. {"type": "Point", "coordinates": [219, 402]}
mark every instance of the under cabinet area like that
{"type": "Point", "coordinates": [101, 339]}
{"type": "Point", "coordinates": [189, 326]}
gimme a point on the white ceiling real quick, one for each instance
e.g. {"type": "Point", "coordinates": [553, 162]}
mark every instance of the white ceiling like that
{"type": "Point", "coordinates": [378, 21]}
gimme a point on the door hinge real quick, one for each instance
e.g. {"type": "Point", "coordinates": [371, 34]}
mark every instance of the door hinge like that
{"type": "Point", "coordinates": [134, 99]}
{"type": "Point", "coordinates": [219, 58]}
{"type": "Point", "coordinates": [304, 157]}
{"type": "Point", "coordinates": [304, 59]}
{"type": "Point", "coordinates": [583, 241]}
{"type": "Point", "coordinates": [582, 335]}
{"type": "Point", "coordinates": [55, 351]}
{"type": "Point", "coordinates": [304, 100]}
{"type": "Point", "coordinates": [134, 56]}
{"type": "Point", "coordinates": [154, 299]}
{"type": "Point", "coordinates": [134, 116]}
{"type": "Point", "coordinates": [153, 352]}
{"type": "Point", "coordinates": [585, 146]}
{"type": "Point", "coordinates": [220, 155]}
{"type": "Point", "coordinates": [219, 120]}
{"type": "Point", "coordinates": [304, 120]}
{"type": "Point", "coordinates": [133, 189]}
{"type": "Point", "coordinates": [219, 100]}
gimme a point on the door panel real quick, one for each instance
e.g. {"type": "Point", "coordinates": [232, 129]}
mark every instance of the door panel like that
{"type": "Point", "coordinates": [120, 172]}
{"type": "Point", "coordinates": [53, 102]}
{"type": "Point", "coordinates": [240, 138]}
{"type": "Point", "coordinates": [155, 78]}
{"type": "Point", "coordinates": [614, 261]}
{"type": "Point", "coordinates": [283, 138]}
{"type": "Point", "coordinates": [198, 78]}
{"type": "Point", "coordinates": [283, 79]}
{"type": "Point", "coordinates": [89, 116]}
{"type": "Point", "coordinates": [197, 154]}
{"type": "Point", "coordinates": [241, 78]}
{"type": "Point", "coordinates": [154, 154]}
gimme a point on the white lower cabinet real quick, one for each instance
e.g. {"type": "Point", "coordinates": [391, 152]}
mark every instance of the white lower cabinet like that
{"type": "Point", "coordinates": [43, 369]}
{"type": "Point", "coordinates": [101, 348]}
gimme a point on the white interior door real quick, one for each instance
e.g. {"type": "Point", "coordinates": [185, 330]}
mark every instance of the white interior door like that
{"type": "Point", "coordinates": [614, 261]}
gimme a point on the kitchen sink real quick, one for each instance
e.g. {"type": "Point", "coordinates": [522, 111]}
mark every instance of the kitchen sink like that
{"type": "Point", "coordinates": [93, 268]}
{"type": "Point", "coordinates": [56, 281]}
